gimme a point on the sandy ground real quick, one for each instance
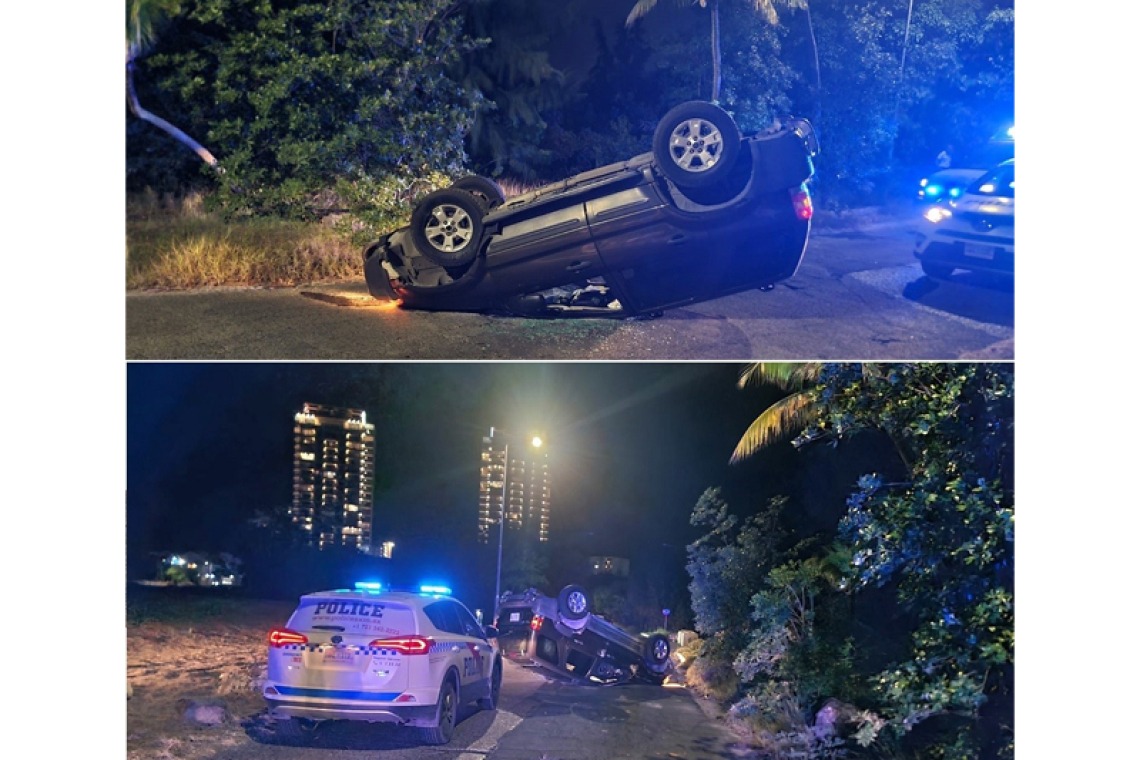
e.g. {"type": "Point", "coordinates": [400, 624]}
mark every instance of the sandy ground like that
{"type": "Point", "coordinates": [195, 650]}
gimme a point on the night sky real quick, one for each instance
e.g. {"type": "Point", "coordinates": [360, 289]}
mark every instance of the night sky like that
{"type": "Point", "coordinates": [631, 447]}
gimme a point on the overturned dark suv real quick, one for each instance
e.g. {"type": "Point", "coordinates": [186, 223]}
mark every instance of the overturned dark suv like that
{"type": "Point", "coordinates": [563, 636]}
{"type": "Point", "coordinates": [708, 212]}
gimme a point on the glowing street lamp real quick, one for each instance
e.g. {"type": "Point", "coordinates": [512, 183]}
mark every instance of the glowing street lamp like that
{"type": "Point", "coordinates": [536, 442]}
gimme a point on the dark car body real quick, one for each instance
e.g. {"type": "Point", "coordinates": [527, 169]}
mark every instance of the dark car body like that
{"type": "Point", "coordinates": [533, 629]}
{"type": "Point", "coordinates": [625, 231]}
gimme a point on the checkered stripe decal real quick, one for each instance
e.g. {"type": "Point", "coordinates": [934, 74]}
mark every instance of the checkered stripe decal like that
{"type": "Point", "coordinates": [359, 650]}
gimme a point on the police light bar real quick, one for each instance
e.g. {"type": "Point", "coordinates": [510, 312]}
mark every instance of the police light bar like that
{"type": "Point", "coordinates": [367, 586]}
{"type": "Point", "coordinates": [442, 590]}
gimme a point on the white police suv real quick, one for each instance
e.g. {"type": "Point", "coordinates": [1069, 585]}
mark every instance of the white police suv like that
{"type": "Point", "coordinates": [380, 656]}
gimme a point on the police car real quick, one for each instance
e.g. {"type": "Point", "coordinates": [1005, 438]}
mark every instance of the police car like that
{"type": "Point", "coordinates": [974, 232]}
{"type": "Point", "coordinates": [380, 656]}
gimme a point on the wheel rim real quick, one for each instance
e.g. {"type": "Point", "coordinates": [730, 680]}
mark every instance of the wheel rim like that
{"type": "Point", "coordinates": [696, 145]}
{"type": "Point", "coordinates": [447, 713]}
{"type": "Point", "coordinates": [449, 228]}
{"type": "Point", "coordinates": [576, 601]}
{"type": "Point", "coordinates": [660, 649]}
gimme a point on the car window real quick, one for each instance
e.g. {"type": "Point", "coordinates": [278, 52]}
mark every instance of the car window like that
{"type": "Point", "coordinates": [470, 626]}
{"type": "Point", "coordinates": [373, 618]}
{"type": "Point", "coordinates": [998, 183]}
{"type": "Point", "coordinates": [443, 616]}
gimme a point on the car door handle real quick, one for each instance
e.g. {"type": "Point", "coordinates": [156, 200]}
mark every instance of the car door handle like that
{"type": "Point", "coordinates": [577, 266]}
{"type": "Point", "coordinates": [677, 240]}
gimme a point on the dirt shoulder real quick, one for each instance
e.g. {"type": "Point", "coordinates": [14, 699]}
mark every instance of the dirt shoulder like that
{"type": "Point", "coordinates": [194, 650]}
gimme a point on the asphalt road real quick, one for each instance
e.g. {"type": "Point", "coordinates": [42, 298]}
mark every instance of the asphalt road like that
{"type": "Point", "coordinates": [537, 719]}
{"type": "Point", "coordinates": [858, 295]}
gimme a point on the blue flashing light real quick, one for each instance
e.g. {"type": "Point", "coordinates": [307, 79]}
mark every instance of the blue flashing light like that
{"type": "Point", "coordinates": [441, 590]}
{"type": "Point", "coordinates": [367, 586]}
{"type": "Point", "coordinates": [1010, 132]}
{"type": "Point", "coordinates": [955, 192]}
{"type": "Point", "coordinates": [934, 189]}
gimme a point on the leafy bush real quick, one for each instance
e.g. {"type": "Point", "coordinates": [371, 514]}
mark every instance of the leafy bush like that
{"type": "Point", "coordinates": [931, 549]}
{"type": "Point", "coordinates": [298, 98]}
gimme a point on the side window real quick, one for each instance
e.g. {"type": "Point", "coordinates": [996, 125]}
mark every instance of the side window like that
{"type": "Point", "coordinates": [467, 623]}
{"type": "Point", "coordinates": [442, 616]}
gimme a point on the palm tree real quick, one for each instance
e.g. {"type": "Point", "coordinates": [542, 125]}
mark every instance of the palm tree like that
{"type": "Point", "coordinates": [767, 8]}
{"type": "Point", "coordinates": [645, 6]}
{"type": "Point", "coordinates": [144, 17]}
{"type": "Point", "coordinates": [786, 416]}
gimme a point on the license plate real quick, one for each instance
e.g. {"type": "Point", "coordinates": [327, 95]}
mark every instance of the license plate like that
{"type": "Point", "coordinates": [514, 617]}
{"type": "Point", "coordinates": [978, 251]}
{"type": "Point", "coordinates": [339, 655]}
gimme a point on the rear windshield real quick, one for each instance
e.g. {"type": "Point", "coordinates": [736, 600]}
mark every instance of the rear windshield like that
{"type": "Point", "coordinates": [997, 183]}
{"type": "Point", "coordinates": [353, 616]}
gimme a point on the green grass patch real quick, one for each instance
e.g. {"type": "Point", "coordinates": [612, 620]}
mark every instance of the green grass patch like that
{"type": "Point", "coordinates": [175, 243]}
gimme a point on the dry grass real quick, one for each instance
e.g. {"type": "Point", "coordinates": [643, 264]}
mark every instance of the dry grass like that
{"type": "Point", "coordinates": [175, 243]}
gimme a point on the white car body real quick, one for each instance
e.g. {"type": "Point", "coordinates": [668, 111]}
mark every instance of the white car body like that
{"type": "Point", "coordinates": [379, 657]}
{"type": "Point", "coordinates": [974, 232]}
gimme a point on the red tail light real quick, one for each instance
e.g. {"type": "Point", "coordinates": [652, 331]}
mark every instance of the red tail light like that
{"type": "Point", "coordinates": [536, 622]}
{"type": "Point", "coordinates": [801, 202]}
{"type": "Point", "coordinates": [404, 644]}
{"type": "Point", "coordinates": [281, 636]}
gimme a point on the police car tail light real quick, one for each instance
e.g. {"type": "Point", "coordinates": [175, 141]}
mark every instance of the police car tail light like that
{"type": "Point", "coordinates": [404, 644]}
{"type": "Point", "coordinates": [801, 201]}
{"type": "Point", "coordinates": [281, 636]}
{"type": "Point", "coordinates": [536, 622]}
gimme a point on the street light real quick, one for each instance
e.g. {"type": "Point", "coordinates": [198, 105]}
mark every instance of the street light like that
{"type": "Point", "coordinates": [536, 442]}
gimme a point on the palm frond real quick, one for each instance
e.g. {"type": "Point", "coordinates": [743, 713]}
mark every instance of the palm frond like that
{"type": "Point", "coordinates": [778, 421]}
{"type": "Point", "coordinates": [640, 10]}
{"type": "Point", "coordinates": [644, 6]}
{"type": "Point", "coordinates": [144, 18]}
{"type": "Point", "coordinates": [767, 9]}
{"type": "Point", "coordinates": [788, 376]}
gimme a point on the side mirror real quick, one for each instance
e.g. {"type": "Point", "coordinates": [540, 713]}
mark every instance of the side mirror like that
{"type": "Point", "coordinates": [491, 632]}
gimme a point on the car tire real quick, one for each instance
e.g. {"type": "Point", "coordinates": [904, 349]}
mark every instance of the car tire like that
{"type": "Point", "coordinates": [447, 709]}
{"type": "Point", "coordinates": [937, 271]}
{"type": "Point", "coordinates": [296, 730]}
{"type": "Point", "coordinates": [492, 701]}
{"type": "Point", "coordinates": [483, 188]}
{"type": "Point", "coordinates": [447, 227]}
{"type": "Point", "coordinates": [657, 651]}
{"type": "Point", "coordinates": [696, 144]}
{"type": "Point", "coordinates": [573, 603]}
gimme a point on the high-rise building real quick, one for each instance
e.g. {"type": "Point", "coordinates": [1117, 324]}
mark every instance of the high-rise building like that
{"type": "Point", "coordinates": [528, 488]}
{"type": "Point", "coordinates": [333, 461]}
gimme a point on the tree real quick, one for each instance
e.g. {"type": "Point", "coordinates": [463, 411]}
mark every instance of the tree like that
{"type": "Point", "coordinates": [645, 6]}
{"type": "Point", "coordinates": [766, 8]}
{"type": "Point", "coordinates": [144, 17]}
{"type": "Point", "coordinates": [517, 82]}
{"type": "Point", "coordinates": [939, 538]}
{"type": "Point", "coordinates": [307, 97]}
{"type": "Point", "coordinates": [786, 416]}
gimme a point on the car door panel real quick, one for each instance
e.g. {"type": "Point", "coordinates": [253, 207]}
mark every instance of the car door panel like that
{"type": "Point", "coordinates": [652, 252]}
{"type": "Point", "coordinates": [544, 251]}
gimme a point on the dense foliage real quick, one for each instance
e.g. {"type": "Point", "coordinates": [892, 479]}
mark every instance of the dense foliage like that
{"type": "Point", "coordinates": [296, 97]}
{"type": "Point", "coordinates": [300, 97]}
{"type": "Point", "coordinates": [903, 610]}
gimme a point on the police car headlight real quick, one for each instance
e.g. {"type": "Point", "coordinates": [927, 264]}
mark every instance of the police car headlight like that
{"type": "Point", "coordinates": [937, 214]}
